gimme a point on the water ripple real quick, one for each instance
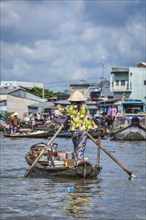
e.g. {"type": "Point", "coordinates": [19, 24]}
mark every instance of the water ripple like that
{"type": "Point", "coordinates": [111, 196]}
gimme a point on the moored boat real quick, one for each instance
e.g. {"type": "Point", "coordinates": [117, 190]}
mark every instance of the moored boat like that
{"type": "Point", "coordinates": [132, 110]}
{"type": "Point", "coordinates": [29, 134]}
{"type": "Point", "coordinates": [57, 165]}
{"type": "Point", "coordinates": [3, 123]}
{"type": "Point", "coordinates": [95, 133]}
{"type": "Point", "coordinates": [130, 133]}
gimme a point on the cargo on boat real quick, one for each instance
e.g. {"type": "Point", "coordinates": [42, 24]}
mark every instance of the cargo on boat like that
{"type": "Point", "coordinates": [59, 164]}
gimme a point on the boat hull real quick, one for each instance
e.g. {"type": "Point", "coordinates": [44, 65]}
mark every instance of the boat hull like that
{"type": "Point", "coordinates": [130, 133]}
{"type": "Point", "coordinates": [44, 134]}
{"type": "Point", "coordinates": [82, 170]}
{"type": "Point", "coordinates": [67, 134]}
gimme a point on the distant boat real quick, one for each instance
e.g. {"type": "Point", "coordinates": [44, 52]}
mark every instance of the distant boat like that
{"type": "Point", "coordinates": [131, 124]}
{"type": "Point", "coordinates": [29, 134]}
{"type": "Point", "coordinates": [3, 123]}
{"type": "Point", "coordinates": [132, 109]}
{"type": "Point", "coordinates": [95, 133]}
{"type": "Point", "coordinates": [133, 132]}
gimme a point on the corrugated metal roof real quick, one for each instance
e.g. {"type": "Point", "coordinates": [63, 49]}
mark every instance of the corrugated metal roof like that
{"type": "Point", "coordinates": [83, 84]}
{"type": "Point", "coordinates": [62, 102]}
{"type": "Point", "coordinates": [141, 64]}
{"type": "Point", "coordinates": [43, 105]}
{"type": "Point", "coordinates": [21, 93]}
{"type": "Point", "coordinates": [95, 89]}
{"type": "Point", "coordinates": [133, 102]}
{"type": "Point", "coordinates": [121, 70]}
{"type": "Point", "coordinates": [7, 90]}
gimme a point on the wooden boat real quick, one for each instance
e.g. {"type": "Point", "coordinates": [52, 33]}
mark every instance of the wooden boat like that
{"type": "Point", "coordinates": [132, 110]}
{"type": "Point", "coordinates": [130, 133]}
{"type": "Point", "coordinates": [61, 167]}
{"type": "Point", "coordinates": [3, 123]}
{"type": "Point", "coordinates": [29, 134]}
{"type": "Point", "coordinates": [100, 132]}
{"type": "Point", "coordinates": [62, 134]}
{"type": "Point", "coordinates": [95, 133]}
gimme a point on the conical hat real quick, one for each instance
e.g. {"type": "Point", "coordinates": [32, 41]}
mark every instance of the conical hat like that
{"type": "Point", "coordinates": [15, 114]}
{"type": "Point", "coordinates": [77, 96]}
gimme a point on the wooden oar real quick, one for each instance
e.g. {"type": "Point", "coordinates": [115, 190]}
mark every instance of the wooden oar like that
{"type": "Point", "coordinates": [42, 152]}
{"type": "Point", "coordinates": [98, 151]}
{"type": "Point", "coordinates": [111, 156]}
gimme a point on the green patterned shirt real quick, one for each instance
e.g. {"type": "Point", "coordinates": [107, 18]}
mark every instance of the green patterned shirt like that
{"type": "Point", "coordinates": [79, 120]}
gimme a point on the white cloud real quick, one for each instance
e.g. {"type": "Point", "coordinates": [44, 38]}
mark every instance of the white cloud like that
{"type": "Point", "coordinates": [57, 41]}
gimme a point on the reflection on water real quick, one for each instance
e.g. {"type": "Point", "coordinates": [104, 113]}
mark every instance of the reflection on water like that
{"type": "Point", "coordinates": [76, 204]}
{"type": "Point", "coordinates": [78, 200]}
{"type": "Point", "coordinates": [110, 196]}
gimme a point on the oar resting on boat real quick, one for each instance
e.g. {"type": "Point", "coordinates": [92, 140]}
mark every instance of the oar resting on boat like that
{"type": "Point", "coordinates": [44, 149]}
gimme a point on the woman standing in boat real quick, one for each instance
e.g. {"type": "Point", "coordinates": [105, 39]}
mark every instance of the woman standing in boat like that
{"type": "Point", "coordinates": [79, 123]}
{"type": "Point", "coordinates": [14, 123]}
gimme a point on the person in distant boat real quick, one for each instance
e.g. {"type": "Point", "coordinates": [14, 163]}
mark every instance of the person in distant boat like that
{"type": "Point", "coordinates": [79, 123]}
{"type": "Point", "coordinates": [109, 114]}
{"type": "Point", "coordinates": [123, 97]}
{"type": "Point", "coordinates": [113, 114]}
{"type": "Point", "coordinates": [14, 123]}
{"type": "Point", "coordinates": [33, 123]}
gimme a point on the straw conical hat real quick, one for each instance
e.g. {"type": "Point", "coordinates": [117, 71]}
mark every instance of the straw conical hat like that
{"type": "Point", "coordinates": [15, 114]}
{"type": "Point", "coordinates": [77, 96]}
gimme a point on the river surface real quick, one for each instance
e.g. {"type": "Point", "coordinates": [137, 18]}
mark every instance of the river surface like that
{"type": "Point", "coordinates": [111, 196]}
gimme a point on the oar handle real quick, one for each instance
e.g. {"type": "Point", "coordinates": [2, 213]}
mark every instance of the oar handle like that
{"type": "Point", "coordinates": [111, 156]}
{"type": "Point", "coordinates": [41, 153]}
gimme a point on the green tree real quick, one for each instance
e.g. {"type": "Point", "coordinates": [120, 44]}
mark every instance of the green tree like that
{"type": "Point", "coordinates": [39, 92]}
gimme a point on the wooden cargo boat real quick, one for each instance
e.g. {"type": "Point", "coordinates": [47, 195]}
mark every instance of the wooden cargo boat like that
{"type": "Point", "coordinates": [65, 168]}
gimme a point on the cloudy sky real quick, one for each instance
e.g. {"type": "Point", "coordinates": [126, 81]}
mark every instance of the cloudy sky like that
{"type": "Point", "coordinates": [63, 42]}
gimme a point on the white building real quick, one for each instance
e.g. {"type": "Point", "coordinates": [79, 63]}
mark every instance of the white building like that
{"type": "Point", "coordinates": [15, 84]}
{"type": "Point", "coordinates": [129, 81]}
{"type": "Point", "coordinates": [17, 100]}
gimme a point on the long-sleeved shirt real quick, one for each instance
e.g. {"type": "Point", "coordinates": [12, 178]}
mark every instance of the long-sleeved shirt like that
{"type": "Point", "coordinates": [79, 120]}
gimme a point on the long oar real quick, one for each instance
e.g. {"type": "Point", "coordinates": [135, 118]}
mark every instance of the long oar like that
{"type": "Point", "coordinates": [111, 156]}
{"type": "Point", "coordinates": [41, 153]}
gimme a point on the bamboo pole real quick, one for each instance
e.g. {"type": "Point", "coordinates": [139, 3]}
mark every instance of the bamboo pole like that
{"type": "Point", "coordinates": [112, 157]}
{"type": "Point", "coordinates": [42, 152]}
{"type": "Point", "coordinates": [98, 151]}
